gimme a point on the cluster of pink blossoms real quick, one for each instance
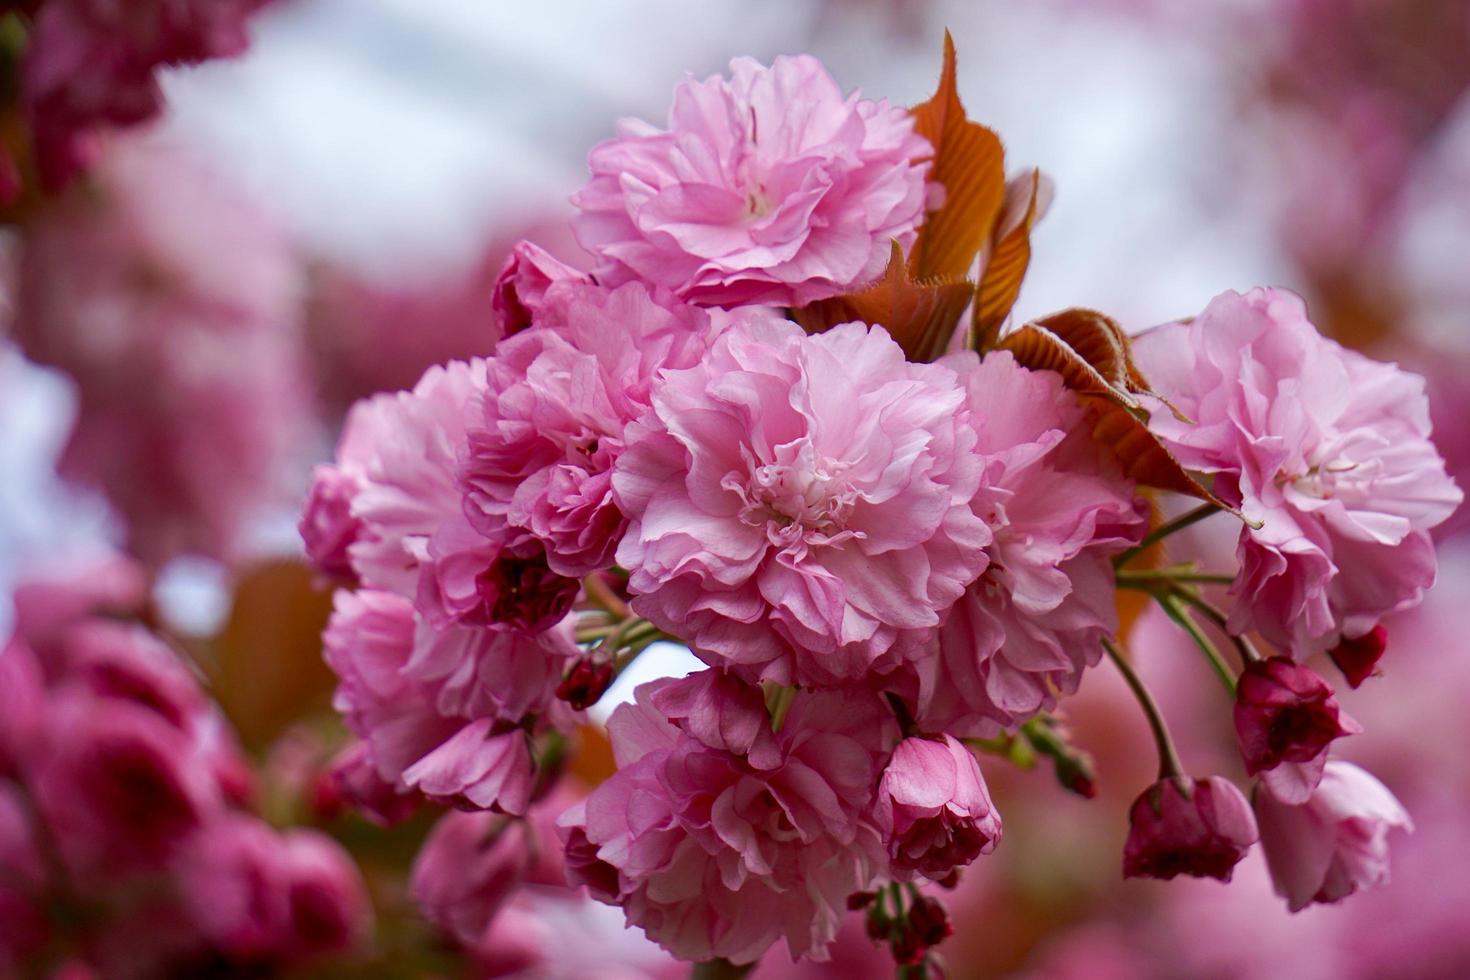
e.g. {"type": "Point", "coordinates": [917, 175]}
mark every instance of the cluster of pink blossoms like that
{"type": "Point", "coordinates": [884, 563]}
{"type": "Point", "coordinates": [125, 805]}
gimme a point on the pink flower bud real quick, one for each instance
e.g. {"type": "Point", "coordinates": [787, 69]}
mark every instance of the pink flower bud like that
{"type": "Point", "coordinates": [1285, 712]}
{"type": "Point", "coordinates": [1335, 843]}
{"type": "Point", "coordinates": [521, 286]}
{"type": "Point", "coordinates": [934, 808]}
{"type": "Point", "coordinates": [1357, 658]}
{"type": "Point", "coordinates": [358, 782]}
{"type": "Point", "coordinates": [328, 527]}
{"type": "Point", "coordinates": [1200, 827]}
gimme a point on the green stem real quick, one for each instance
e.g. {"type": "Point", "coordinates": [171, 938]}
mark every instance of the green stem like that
{"type": "Point", "coordinates": [720, 970]}
{"type": "Point", "coordinates": [603, 596]}
{"type": "Point", "coordinates": [1127, 577]}
{"type": "Point", "coordinates": [1169, 765]}
{"type": "Point", "coordinates": [1177, 612]}
{"type": "Point", "coordinates": [1243, 646]}
{"type": "Point", "coordinates": [1164, 530]}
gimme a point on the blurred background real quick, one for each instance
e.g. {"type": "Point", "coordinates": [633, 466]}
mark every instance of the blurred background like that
{"type": "Point", "coordinates": [321, 217]}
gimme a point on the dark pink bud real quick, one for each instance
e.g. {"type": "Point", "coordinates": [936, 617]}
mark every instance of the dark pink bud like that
{"type": "Point", "coordinates": [928, 921]}
{"type": "Point", "coordinates": [1358, 658]}
{"type": "Point", "coordinates": [1200, 827]}
{"type": "Point", "coordinates": [585, 683]}
{"type": "Point", "coordinates": [1285, 712]}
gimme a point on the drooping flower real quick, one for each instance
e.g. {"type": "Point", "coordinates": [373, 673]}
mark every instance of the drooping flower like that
{"type": "Point", "coordinates": [934, 808]}
{"type": "Point", "coordinates": [1326, 450]}
{"type": "Point", "coordinates": [1286, 716]}
{"type": "Point", "coordinates": [1335, 843]}
{"type": "Point", "coordinates": [1022, 634]}
{"type": "Point", "coordinates": [1197, 827]}
{"type": "Point", "coordinates": [546, 431]}
{"type": "Point", "coordinates": [719, 855]}
{"type": "Point", "coordinates": [768, 187]}
{"type": "Point", "coordinates": [439, 710]}
{"type": "Point", "coordinates": [797, 503]}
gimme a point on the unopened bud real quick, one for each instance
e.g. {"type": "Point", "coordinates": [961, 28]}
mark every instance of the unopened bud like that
{"type": "Point", "coordinates": [585, 683]}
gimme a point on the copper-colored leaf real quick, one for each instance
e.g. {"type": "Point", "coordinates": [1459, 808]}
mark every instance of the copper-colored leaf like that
{"type": "Point", "coordinates": [920, 316]}
{"type": "Point", "coordinates": [1091, 353]}
{"type": "Point", "coordinates": [1139, 452]}
{"type": "Point", "coordinates": [267, 661]}
{"type": "Point", "coordinates": [1005, 267]}
{"type": "Point", "coordinates": [1039, 347]}
{"type": "Point", "coordinates": [970, 164]}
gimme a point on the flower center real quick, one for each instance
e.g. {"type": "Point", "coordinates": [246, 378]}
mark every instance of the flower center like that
{"type": "Point", "coordinates": [801, 502]}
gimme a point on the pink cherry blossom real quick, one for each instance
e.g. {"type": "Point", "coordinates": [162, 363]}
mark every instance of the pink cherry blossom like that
{"type": "Point", "coordinates": [768, 187]}
{"type": "Point", "coordinates": [798, 503]}
{"type": "Point", "coordinates": [327, 526]}
{"type": "Point", "coordinates": [233, 889]}
{"type": "Point", "coordinates": [93, 63]}
{"type": "Point", "coordinates": [328, 903]}
{"type": "Point", "coordinates": [1198, 827]}
{"type": "Point", "coordinates": [472, 864]}
{"type": "Point", "coordinates": [520, 288]}
{"type": "Point", "coordinates": [1335, 843]}
{"type": "Point", "coordinates": [718, 855]}
{"type": "Point", "coordinates": [117, 785]}
{"type": "Point", "coordinates": [544, 434]}
{"type": "Point", "coordinates": [1326, 450]}
{"type": "Point", "coordinates": [172, 300]}
{"type": "Point", "coordinates": [437, 709]}
{"type": "Point", "coordinates": [934, 808]}
{"type": "Point", "coordinates": [400, 451]}
{"type": "Point", "coordinates": [1023, 633]}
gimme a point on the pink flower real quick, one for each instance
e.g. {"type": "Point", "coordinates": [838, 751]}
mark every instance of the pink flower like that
{"type": "Point", "coordinates": [797, 504]}
{"type": "Point", "coordinates": [544, 434]}
{"type": "Point", "coordinates": [1022, 634]}
{"type": "Point", "coordinates": [1326, 450]}
{"type": "Point", "coordinates": [328, 527]}
{"type": "Point", "coordinates": [233, 888]}
{"type": "Point", "coordinates": [400, 451]}
{"type": "Point", "coordinates": [528, 274]}
{"type": "Point", "coordinates": [472, 863]}
{"type": "Point", "coordinates": [92, 63]}
{"type": "Point", "coordinates": [767, 188]}
{"type": "Point", "coordinates": [117, 784]}
{"type": "Point", "coordinates": [1285, 717]}
{"type": "Point", "coordinates": [437, 709]}
{"type": "Point", "coordinates": [356, 780]}
{"type": "Point", "coordinates": [172, 301]}
{"type": "Point", "coordinates": [1334, 844]}
{"type": "Point", "coordinates": [1199, 827]}
{"type": "Point", "coordinates": [721, 855]}
{"type": "Point", "coordinates": [48, 603]}
{"type": "Point", "coordinates": [470, 580]}
{"type": "Point", "coordinates": [476, 766]}
{"type": "Point", "coordinates": [328, 903]}
{"type": "Point", "coordinates": [934, 808]}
